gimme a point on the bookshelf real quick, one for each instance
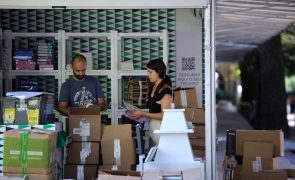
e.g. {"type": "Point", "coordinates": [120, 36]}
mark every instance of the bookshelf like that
{"type": "Point", "coordinates": [64, 54]}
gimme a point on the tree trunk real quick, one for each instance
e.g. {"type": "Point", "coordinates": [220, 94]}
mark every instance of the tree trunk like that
{"type": "Point", "coordinates": [269, 89]}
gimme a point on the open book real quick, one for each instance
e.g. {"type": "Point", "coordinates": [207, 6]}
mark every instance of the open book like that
{"type": "Point", "coordinates": [130, 107]}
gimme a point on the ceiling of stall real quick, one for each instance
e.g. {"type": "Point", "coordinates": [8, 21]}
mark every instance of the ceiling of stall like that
{"type": "Point", "coordinates": [241, 25]}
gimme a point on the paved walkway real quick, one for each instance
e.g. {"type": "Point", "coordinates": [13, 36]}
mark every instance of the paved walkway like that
{"type": "Point", "coordinates": [233, 120]}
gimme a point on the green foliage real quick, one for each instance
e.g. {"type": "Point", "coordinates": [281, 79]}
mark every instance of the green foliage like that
{"type": "Point", "coordinates": [290, 84]}
{"type": "Point", "coordinates": [288, 47]}
{"type": "Point", "coordinates": [222, 95]}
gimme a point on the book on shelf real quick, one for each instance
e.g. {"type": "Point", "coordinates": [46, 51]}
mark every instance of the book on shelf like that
{"type": "Point", "coordinates": [23, 52]}
{"type": "Point", "coordinates": [22, 58]}
{"type": "Point", "coordinates": [25, 68]}
{"type": "Point", "coordinates": [44, 62]}
{"type": "Point", "coordinates": [44, 55]}
{"type": "Point", "coordinates": [46, 68]}
{"type": "Point", "coordinates": [45, 44]}
{"type": "Point", "coordinates": [45, 65]}
{"type": "Point", "coordinates": [44, 52]}
{"type": "Point", "coordinates": [23, 63]}
{"type": "Point", "coordinates": [45, 58]}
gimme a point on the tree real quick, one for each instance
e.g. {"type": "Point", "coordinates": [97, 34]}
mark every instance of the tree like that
{"type": "Point", "coordinates": [288, 47]}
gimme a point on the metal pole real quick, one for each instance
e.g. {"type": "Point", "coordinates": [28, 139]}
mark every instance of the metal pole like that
{"type": "Point", "coordinates": [210, 111]}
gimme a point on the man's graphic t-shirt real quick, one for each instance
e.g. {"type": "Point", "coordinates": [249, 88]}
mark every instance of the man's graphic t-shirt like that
{"type": "Point", "coordinates": [81, 93]}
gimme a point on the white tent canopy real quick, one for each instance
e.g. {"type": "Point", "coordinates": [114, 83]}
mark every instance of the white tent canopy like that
{"type": "Point", "coordinates": [243, 24]}
{"type": "Point", "coordinates": [102, 4]}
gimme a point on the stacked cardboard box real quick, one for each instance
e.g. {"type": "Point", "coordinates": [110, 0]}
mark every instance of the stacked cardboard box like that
{"type": "Point", "coordinates": [83, 152]}
{"type": "Point", "coordinates": [197, 138]}
{"type": "Point", "coordinates": [259, 150]}
{"type": "Point", "coordinates": [186, 174]}
{"type": "Point", "coordinates": [118, 175]}
{"type": "Point", "coordinates": [29, 152]}
{"type": "Point", "coordinates": [117, 141]}
{"type": "Point", "coordinates": [279, 174]}
{"type": "Point", "coordinates": [29, 176]}
{"type": "Point", "coordinates": [4, 128]}
{"type": "Point", "coordinates": [187, 98]}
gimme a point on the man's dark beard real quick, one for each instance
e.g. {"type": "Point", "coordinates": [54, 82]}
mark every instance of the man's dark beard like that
{"type": "Point", "coordinates": [79, 77]}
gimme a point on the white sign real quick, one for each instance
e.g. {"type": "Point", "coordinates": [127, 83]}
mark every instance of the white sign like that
{"type": "Point", "coordinates": [189, 50]}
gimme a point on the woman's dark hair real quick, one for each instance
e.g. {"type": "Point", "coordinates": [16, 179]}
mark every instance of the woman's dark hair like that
{"type": "Point", "coordinates": [159, 66]}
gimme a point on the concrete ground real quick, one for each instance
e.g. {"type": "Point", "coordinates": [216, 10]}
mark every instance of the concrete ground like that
{"type": "Point", "coordinates": [233, 120]}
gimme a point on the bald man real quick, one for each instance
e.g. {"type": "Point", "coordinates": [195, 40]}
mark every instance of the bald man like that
{"type": "Point", "coordinates": [80, 90]}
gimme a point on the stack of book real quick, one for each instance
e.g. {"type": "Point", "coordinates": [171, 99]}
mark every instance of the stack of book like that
{"type": "Point", "coordinates": [45, 56]}
{"type": "Point", "coordinates": [23, 58]}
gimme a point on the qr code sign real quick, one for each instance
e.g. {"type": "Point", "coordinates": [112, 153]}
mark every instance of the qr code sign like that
{"type": "Point", "coordinates": [188, 63]}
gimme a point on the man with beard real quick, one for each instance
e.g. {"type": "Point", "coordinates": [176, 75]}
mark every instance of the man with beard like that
{"type": "Point", "coordinates": [80, 90]}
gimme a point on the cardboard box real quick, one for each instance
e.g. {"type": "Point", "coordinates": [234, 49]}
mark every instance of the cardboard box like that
{"type": "Point", "coordinates": [257, 149]}
{"type": "Point", "coordinates": [88, 150]}
{"type": "Point", "coordinates": [159, 175]}
{"type": "Point", "coordinates": [237, 173]}
{"type": "Point", "coordinates": [185, 98]}
{"type": "Point", "coordinates": [124, 134]}
{"type": "Point", "coordinates": [266, 164]}
{"type": "Point", "coordinates": [254, 149]}
{"type": "Point", "coordinates": [291, 173]}
{"type": "Point", "coordinates": [199, 153]}
{"type": "Point", "coordinates": [32, 176]}
{"type": "Point", "coordinates": [274, 136]}
{"type": "Point", "coordinates": [12, 178]}
{"type": "Point", "coordinates": [195, 115]}
{"type": "Point", "coordinates": [86, 172]}
{"type": "Point", "coordinates": [120, 168]}
{"type": "Point", "coordinates": [194, 173]}
{"type": "Point", "coordinates": [199, 131]}
{"type": "Point", "coordinates": [264, 175]}
{"type": "Point", "coordinates": [35, 147]}
{"type": "Point", "coordinates": [85, 122]}
{"type": "Point", "coordinates": [4, 128]}
{"type": "Point", "coordinates": [118, 175]}
{"type": "Point", "coordinates": [198, 143]}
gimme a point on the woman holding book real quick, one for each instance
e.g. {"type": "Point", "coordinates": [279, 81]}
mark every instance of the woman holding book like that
{"type": "Point", "coordinates": [159, 96]}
